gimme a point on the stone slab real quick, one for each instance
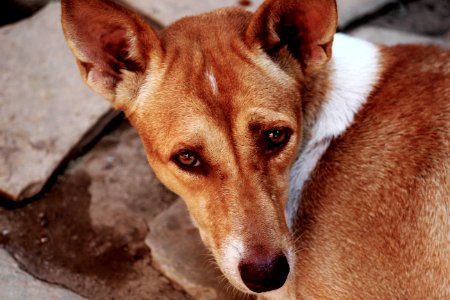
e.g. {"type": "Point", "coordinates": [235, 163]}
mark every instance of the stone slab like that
{"type": "Point", "coordinates": [424, 17]}
{"type": "Point", "coordinates": [179, 253]}
{"type": "Point", "coordinates": [15, 284]}
{"type": "Point", "coordinates": [168, 11]}
{"type": "Point", "coordinates": [88, 232]}
{"type": "Point", "coordinates": [46, 110]}
{"type": "Point", "coordinates": [394, 37]}
{"type": "Point", "coordinates": [351, 10]}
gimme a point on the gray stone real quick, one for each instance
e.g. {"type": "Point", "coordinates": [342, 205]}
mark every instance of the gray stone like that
{"type": "Point", "coordinates": [179, 253]}
{"type": "Point", "coordinates": [31, 4]}
{"type": "Point", "coordinates": [168, 11]}
{"type": "Point", "coordinates": [424, 17]}
{"type": "Point", "coordinates": [350, 10]}
{"type": "Point", "coordinates": [393, 37]}
{"type": "Point", "coordinates": [88, 232]}
{"type": "Point", "coordinates": [46, 110]}
{"type": "Point", "coordinates": [15, 284]}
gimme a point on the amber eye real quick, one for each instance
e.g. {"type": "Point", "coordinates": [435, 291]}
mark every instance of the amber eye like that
{"type": "Point", "coordinates": [187, 159]}
{"type": "Point", "coordinates": [276, 138]}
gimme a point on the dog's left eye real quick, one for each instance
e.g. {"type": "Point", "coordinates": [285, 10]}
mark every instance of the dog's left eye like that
{"type": "Point", "coordinates": [276, 138]}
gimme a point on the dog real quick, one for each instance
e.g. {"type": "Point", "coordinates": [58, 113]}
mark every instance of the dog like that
{"type": "Point", "coordinates": [315, 165]}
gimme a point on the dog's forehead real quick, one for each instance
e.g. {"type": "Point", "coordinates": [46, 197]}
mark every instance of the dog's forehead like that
{"type": "Point", "coordinates": [222, 24]}
{"type": "Point", "coordinates": [210, 76]}
{"type": "Point", "coordinates": [206, 59]}
{"type": "Point", "coordinates": [223, 85]}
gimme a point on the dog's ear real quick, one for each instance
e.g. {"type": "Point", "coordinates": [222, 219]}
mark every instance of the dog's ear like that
{"type": "Point", "coordinates": [112, 45]}
{"type": "Point", "coordinates": [304, 27]}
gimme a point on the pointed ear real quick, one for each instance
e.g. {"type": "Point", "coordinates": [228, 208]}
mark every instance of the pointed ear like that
{"type": "Point", "coordinates": [112, 45]}
{"type": "Point", "coordinates": [305, 27]}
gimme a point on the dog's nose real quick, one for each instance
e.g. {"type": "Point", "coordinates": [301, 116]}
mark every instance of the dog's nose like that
{"type": "Point", "coordinates": [263, 274]}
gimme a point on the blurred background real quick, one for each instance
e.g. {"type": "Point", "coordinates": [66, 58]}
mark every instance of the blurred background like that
{"type": "Point", "coordinates": [82, 215]}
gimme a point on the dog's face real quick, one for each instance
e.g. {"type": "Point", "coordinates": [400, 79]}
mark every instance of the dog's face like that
{"type": "Point", "coordinates": [216, 100]}
{"type": "Point", "coordinates": [221, 129]}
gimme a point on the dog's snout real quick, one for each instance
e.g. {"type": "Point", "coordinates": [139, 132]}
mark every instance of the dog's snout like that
{"type": "Point", "coordinates": [264, 273]}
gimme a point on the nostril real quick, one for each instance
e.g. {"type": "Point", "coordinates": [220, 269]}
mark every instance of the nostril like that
{"type": "Point", "coordinates": [264, 274]}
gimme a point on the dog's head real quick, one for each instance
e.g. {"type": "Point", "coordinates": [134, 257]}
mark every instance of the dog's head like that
{"type": "Point", "coordinates": [216, 100]}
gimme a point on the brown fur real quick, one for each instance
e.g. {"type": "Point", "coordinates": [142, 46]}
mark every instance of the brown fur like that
{"type": "Point", "coordinates": [373, 222]}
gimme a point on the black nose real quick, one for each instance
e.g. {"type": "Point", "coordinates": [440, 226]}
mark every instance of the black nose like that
{"type": "Point", "coordinates": [263, 274]}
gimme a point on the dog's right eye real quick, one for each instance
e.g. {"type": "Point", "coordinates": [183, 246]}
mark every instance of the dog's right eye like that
{"type": "Point", "coordinates": [187, 160]}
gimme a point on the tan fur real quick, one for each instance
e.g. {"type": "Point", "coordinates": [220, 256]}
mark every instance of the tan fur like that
{"type": "Point", "coordinates": [374, 218]}
{"type": "Point", "coordinates": [374, 222]}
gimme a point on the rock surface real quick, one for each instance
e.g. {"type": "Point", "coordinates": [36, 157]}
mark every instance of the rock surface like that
{"type": "Point", "coordinates": [168, 11]}
{"type": "Point", "coordinates": [46, 110]}
{"type": "Point", "coordinates": [423, 17]}
{"type": "Point", "coordinates": [179, 253]}
{"type": "Point", "coordinates": [393, 37]}
{"type": "Point", "coordinates": [15, 284]}
{"type": "Point", "coordinates": [15, 10]}
{"type": "Point", "coordinates": [350, 10]}
{"type": "Point", "coordinates": [88, 232]}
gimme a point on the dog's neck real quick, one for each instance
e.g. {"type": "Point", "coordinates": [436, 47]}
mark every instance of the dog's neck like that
{"type": "Point", "coordinates": [353, 73]}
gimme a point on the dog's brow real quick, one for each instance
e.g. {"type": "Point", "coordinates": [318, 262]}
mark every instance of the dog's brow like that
{"type": "Point", "coordinates": [260, 115]}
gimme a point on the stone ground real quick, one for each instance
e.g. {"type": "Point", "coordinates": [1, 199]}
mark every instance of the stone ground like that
{"type": "Point", "coordinates": [103, 227]}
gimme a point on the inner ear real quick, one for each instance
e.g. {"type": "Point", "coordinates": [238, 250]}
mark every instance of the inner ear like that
{"type": "Point", "coordinates": [113, 47]}
{"type": "Point", "coordinates": [306, 28]}
{"type": "Point", "coordinates": [117, 45]}
{"type": "Point", "coordinates": [107, 42]}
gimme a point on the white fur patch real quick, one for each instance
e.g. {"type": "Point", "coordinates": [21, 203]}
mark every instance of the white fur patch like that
{"type": "Point", "coordinates": [355, 71]}
{"type": "Point", "coordinates": [232, 254]}
{"type": "Point", "coordinates": [280, 294]}
{"type": "Point", "coordinates": [212, 82]}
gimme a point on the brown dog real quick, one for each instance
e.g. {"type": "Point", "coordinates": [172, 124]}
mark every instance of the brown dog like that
{"type": "Point", "coordinates": [315, 165]}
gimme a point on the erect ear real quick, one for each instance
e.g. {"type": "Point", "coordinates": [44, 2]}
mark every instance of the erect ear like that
{"type": "Point", "coordinates": [305, 27]}
{"type": "Point", "coordinates": [112, 45]}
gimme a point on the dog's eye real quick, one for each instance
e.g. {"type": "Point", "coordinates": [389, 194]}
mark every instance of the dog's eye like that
{"type": "Point", "coordinates": [187, 159]}
{"type": "Point", "coordinates": [276, 138]}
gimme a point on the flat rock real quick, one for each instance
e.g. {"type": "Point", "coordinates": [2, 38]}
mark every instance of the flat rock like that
{"type": "Point", "coordinates": [88, 232]}
{"type": "Point", "coordinates": [46, 111]}
{"type": "Point", "coordinates": [15, 10]}
{"type": "Point", "coordinates": [15, 284]}
{"type": "Point", "coordinates": [424, 17]}
{"type": "Point", "coordinates": [31, 4]}
{"type": "Point", "coordinates": [179, 253]}
{"type": "Point", "coordinates": [351, 10]}
{"type": "Point", "coordinates": [394, 37]}
{"type": "Point", "coordinates": [168, 11]}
